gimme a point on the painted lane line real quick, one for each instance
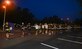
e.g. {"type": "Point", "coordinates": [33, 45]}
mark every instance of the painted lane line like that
{"type": "Point", "coordinates": [70, 40]}
{"type": "Point", "coordinates": [49, 46]}
{"type": "Point", "coordinates": [73, 36]}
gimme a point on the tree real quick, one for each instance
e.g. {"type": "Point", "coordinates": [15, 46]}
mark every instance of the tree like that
{"type": "Point", "coordinates": [79, 22]}
{"type": "Point", "coordinates": [14, 15]}
{"type": "Point", "coordinates": [27, 16]}
{"type": "Point", "coordinates": [80, 1]}
{"type": "Point", "coordinates": [51, 19]}
{"type": "Point", "coordinates": [81, 5]}
{"type": "Point", "coordinates": [18, 15]}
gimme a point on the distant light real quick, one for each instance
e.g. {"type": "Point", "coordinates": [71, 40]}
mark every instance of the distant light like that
{"type": "Point", "coordinates": [4, 6]}
{"type": "Point", "coordinates": [67, 18]}
{"type": "Point", "coordinates": [7, 2]}
{"type": "Point", "coordinates": [22, 23]}
{"type": "Point", "coordinates": [61, 18]}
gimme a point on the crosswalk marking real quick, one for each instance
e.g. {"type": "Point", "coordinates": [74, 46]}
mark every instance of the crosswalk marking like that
{"type": "Point", "coordinates": [69, 40]}
{"type": "Point", "coordinates": [49, 46]}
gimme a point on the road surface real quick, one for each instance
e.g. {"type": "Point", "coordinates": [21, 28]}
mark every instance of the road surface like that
{"type": "Point", "coordinates": [65, 40]}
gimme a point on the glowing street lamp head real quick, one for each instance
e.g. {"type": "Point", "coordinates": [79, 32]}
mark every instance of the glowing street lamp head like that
{"type": "Point", "coordinates": [4, 6]}
{"type": "Point", "coordinates": [7, 2]}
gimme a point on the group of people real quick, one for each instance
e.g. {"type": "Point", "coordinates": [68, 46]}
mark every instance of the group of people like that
{"type": "Point", "coordinates": [8, 29]}
{"type": "Point", "coordinates": [44, 28]}
{"type": "Point", "coordinates": [38, 28]}
{"type": "Point", "coordinates": [49, 28]}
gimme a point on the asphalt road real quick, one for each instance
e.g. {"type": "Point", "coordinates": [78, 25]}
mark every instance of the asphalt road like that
{"type": "Point", "coordinates": [65, 40]}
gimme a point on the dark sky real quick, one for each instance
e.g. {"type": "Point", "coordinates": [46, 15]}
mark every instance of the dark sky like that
{"type": "Point", "coordinates": [61, 8]}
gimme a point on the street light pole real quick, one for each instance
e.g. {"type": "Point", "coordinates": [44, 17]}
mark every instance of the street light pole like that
{"type": "Point", "coordinates": [6, 2]}
{"type": "Point", "coordinates": [4, 18]}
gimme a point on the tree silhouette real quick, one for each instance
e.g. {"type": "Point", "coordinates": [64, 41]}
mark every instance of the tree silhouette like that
{"type": "Point", "coordinates": [27, 16]}
{"type": "Point", "coordinates": [14, 15]}
{"type": "Point", "coordinates": [80, 1]}
{"type": "Point", "coordinates": [51, 19]}
{"type": "Point", "coordinates": [18, 15]}
{"type": "Point", "coordinates": [79, 22]}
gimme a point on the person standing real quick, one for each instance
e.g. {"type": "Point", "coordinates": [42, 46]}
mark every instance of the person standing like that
{"type": "Point", "coordinates": [7, 30]}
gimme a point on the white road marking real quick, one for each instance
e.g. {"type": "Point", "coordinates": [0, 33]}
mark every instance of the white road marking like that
{"type": "Point", "coordinates": [70, 40]}
{"type": "Point", "coordinates": [73, 36]}
{"type": "Point", "coordinates": [49, 46]}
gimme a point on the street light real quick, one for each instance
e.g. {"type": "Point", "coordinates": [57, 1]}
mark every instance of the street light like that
{"type": "Point", "coordinates": [7, 2]}
{"type": "Point", "coordinates": [4, 17]}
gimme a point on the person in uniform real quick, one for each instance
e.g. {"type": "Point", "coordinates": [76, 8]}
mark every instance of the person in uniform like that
{"type": "Point", "coordinates": [7, 29]}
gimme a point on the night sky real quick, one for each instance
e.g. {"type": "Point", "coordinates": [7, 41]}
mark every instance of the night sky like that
{"type": "Point", "coordinates": [61, 8]}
